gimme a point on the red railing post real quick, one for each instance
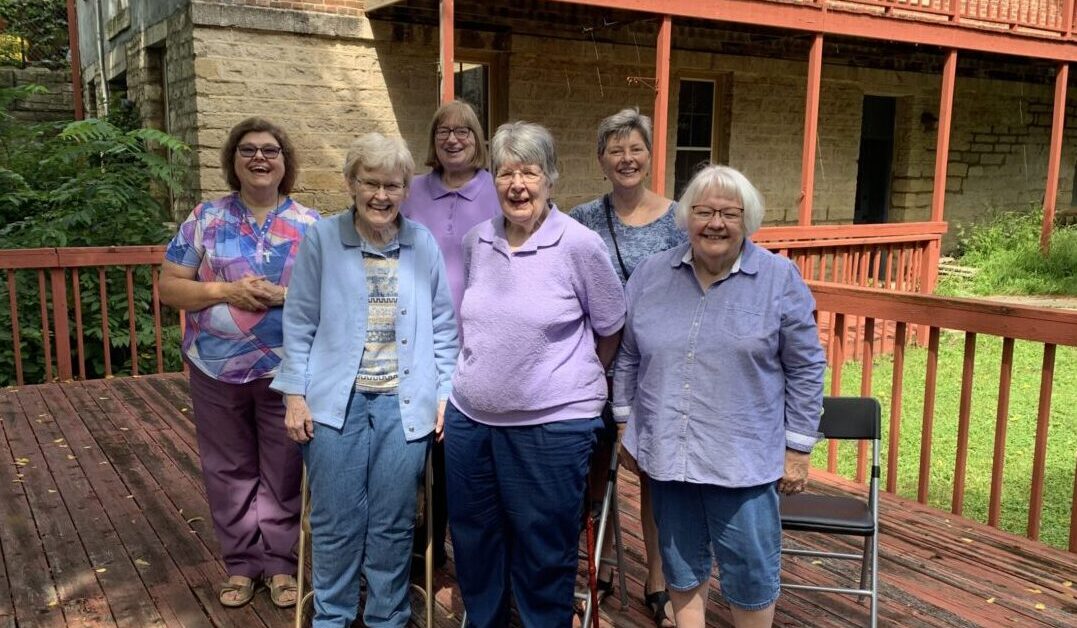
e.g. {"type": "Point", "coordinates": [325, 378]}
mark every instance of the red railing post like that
{"type": "Point", "coordinates": [1039, 454]}
{"type": "Point", "coordinates": [930, 269]}
{"type": "Point", "coordinates": [1054, 158]}
{"type": "Point", "coordinates": [661, 105]}
{"type": "Point", "coordinates": [447, 46]}
{"type": "Point", "coordinates": [811, 129]}
{"type": "Point", "coordinates": [60, 327]}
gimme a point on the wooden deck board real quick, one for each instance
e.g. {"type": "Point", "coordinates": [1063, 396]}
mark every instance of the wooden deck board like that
{"type": "Point", "coordinates": [130, 501]}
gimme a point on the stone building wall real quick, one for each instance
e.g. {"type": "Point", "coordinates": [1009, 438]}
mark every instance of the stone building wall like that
{"type": "Point", "coordinates": [328, 76]}
{"type": "Point", "coordinates": [56, 104]}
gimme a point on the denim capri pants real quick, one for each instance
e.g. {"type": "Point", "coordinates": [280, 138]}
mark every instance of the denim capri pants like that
{"type": "Point", "coordinates": [738, 527]}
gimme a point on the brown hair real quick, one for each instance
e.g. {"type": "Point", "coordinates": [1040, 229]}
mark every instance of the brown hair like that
{"type": "Point", "coordinates": [462, 110]}
{"type": "Point", "coordinates": [259, 125]}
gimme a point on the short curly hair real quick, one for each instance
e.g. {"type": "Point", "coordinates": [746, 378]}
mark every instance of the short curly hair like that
{"type": "Point", "coordinates": [259, 125]}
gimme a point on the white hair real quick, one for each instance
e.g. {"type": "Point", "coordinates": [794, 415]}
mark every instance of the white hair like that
{"type": "Point", "coordinates": [727, 182]}
{"type": "Point", "coordinates": [525, 143]}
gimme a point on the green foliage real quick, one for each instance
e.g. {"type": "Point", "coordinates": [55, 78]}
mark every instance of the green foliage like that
{"type": "Point", "coordinates": [1020, 431]}
{"type": "Point", "coordinates": [84, 183]}
{"type": "Point", "coordinates": [1005, 250]}
{"type": "Point", "coordinates": [36, 32]}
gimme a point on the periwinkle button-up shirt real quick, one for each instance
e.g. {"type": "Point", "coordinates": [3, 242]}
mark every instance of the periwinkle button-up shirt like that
{"type": "Point", "coordinates": [716, 384]}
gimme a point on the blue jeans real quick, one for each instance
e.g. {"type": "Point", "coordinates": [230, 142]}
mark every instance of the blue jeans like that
{"type": "Point", "coordinates": [363, 480]}
{"type": "Point", "coordinates": [515, 501]}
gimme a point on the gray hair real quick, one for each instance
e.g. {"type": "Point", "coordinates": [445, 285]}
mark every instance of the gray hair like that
{"type": "Point", "coordinates": [374, 151]}
{"type": "Point", "coordinates": [621, 124]}
{"type": "Point", "coordinates": [726, 182]}
{"type": "Point", "coordinates": [525, 143]}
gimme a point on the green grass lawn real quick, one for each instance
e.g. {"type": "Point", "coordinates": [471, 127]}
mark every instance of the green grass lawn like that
{"type": "Point", "coordinates": [1020, 438]}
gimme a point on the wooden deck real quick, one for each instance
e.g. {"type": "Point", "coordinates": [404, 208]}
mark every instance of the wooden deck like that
{"type": "Point", "coordinates": [103, 521]}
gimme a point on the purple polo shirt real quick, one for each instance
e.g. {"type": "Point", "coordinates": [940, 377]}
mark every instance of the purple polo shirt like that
{"type": "Point", "coordinates": [529, 319]}
{"type": "Point", "coordinates": [449, 214]}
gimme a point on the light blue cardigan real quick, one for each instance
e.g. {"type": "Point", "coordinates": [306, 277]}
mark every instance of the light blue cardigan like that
{"type": "Point", "coordinates": [325, 318]}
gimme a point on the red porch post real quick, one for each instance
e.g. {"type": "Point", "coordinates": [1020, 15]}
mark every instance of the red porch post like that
{"type": "Point", "coordinates": [1054, 160]}
{"type": "Point", "coordinates": [76, 60]}
{"type": "Point", "coordinates": [811, 127]}
{"type": "Point", "coordinates": [446, 33]}
{"type": "Point", "coordinates": [661, 104]}
{"type": "Point", "coordinates": [930, 271]}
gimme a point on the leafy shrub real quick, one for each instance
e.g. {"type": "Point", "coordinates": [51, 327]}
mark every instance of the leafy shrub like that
{"type": "Point", "coordinates": [36, 32]}
{"type": "Point", "coordinates": [1005, 250]}
{"type": "Point", "coordinates": [84, 183]}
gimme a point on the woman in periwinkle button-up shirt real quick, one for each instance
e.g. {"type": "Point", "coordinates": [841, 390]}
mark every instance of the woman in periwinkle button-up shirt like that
{"type": "Point", "coordinates": [370, 346]}
{"type": "Point", "coordinates": [720, 378]}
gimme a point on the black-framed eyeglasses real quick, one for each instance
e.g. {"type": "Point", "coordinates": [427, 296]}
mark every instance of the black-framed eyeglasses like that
{"type": "Point", "coordinates": [702, 213]}
{"type": "Point", "coordinates": [461, 132]}
{"type": "Point", "coordinates": [269, 151]}
{"type": "Point", "coordinates": [372, 187]}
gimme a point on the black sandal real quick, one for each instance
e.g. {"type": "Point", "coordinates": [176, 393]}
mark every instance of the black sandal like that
{"type": "Point", "coordinates": [656, 601]}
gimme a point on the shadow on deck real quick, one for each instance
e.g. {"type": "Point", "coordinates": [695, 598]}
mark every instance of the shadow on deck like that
{"type": "Point", "coordinates": [103, 521]}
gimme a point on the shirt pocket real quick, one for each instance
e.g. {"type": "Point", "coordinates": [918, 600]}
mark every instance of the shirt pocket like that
{"type": "Point", "coordinates": [741, 321]}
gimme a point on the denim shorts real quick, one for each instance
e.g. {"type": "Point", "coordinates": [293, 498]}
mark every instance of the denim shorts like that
{"type": "Point", "coordinates": [742, 527]}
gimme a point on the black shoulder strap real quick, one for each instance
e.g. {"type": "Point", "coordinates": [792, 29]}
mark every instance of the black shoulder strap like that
{"type": "Point", "coordinates": [608, 207]}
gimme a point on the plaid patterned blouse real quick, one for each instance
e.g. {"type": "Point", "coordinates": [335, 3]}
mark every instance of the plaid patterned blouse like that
{"type": "Point", "coordinates": [221, 239]}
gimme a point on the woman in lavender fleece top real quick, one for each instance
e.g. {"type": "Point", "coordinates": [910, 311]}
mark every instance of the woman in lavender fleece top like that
{"type": "Point", "coordinates": [541, 318]}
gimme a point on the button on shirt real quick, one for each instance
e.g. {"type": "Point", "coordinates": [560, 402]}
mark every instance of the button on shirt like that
{"type": "Point", "coordinates": [716, 384]}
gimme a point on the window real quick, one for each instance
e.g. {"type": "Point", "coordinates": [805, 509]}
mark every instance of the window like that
{"type": "Point", "coordinates": [695, 130]}
{"type": "Point", "coordinates": [472, 85]}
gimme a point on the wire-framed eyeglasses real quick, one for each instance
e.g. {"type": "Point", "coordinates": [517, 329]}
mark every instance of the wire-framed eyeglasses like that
{"type": "Point", "coordinates": [372, 186]}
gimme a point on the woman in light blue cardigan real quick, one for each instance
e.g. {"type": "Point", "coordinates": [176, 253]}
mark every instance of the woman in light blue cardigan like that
{"type": "Point", "coordinates": [370, 344]}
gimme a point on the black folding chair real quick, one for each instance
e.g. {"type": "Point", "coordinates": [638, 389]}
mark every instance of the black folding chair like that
{"type": "Point", "coordinates": [844, 418]}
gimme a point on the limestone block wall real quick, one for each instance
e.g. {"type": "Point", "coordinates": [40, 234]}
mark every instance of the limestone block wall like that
{"type": "Point", "coordinates": [56, 104]}
{"type": "Point", "coordinates": [331, 77]}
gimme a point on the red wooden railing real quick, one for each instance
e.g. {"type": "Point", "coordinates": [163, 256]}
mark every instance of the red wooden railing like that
{"type": "Point", "coordinates": [59, 298]}
{"type": "Point", "coordinates": [1047, 17]}
{"type": "Point", "coordinates": [973, 318]}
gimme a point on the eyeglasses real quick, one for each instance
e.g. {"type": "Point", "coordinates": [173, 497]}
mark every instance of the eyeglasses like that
{"type": "Point", "coordinates": [702, 213]}
{"type": "Point", "coordinates": [372, 187]}
{"type": "Point", "coordinates": [530, 175]}
{"type": "Point", "coordinates": [461, 132]}
{"type": "Point", "coordinates": [269, 151]}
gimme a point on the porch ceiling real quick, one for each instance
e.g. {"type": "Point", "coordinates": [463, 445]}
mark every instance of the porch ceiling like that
{"type": "Point", "coordinates": [576, 22]}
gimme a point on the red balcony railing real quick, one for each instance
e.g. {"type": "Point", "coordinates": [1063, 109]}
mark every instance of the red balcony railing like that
{"type": "Point", "coordinates": [975, 319]}
{"type": "Point", "coordinates": [1048, 17]}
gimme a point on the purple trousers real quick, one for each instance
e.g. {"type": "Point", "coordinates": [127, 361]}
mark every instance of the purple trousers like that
{"type": "Point", "coordinates": [252, 473]}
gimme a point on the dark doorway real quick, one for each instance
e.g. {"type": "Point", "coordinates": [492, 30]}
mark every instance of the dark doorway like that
{"type": "Point", "coordinates": [876, 158]}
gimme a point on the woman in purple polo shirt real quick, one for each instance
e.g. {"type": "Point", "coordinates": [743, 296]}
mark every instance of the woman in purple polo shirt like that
{"type": "Point", "coordinates": [541, 316]}
{"type": "Point", "coordinates": [720, 378]}
{"type": "Point", "coordinates": [229, 267]}
{"type": "Point", "coordinates": [451, 199]}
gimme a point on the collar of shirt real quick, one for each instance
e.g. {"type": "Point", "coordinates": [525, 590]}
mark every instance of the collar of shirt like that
{"type": "Point", "coordinates": [350, 237]}
{"type": "Point", "coordinates": [746, 261]}
{"type": "Point", "coordinates": [469, 190]}
{"type": "Point", "coordinates": [548, 234]}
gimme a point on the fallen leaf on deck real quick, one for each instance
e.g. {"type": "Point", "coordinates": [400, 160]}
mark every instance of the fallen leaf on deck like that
{"type": "Point", "coordinates": [194, 519]}
{"type": "Point", "coordinates": [141, 563]}
{"type": "Point", "coordinates": [58, 440]}
{"type": "Point", "coordinates": [130, 496]}
{"type": "Point", "coordinates": [124, 429]}
{"type": "Point", "coordinates": [990, 600]}
{"type": "Point", "coordinates": [87, 446]}
{"type": "Point", "coordinates": [53, 603]}
{"type": "Point", "coordinates": [1067, 583]}
{"type": "Point", "coordinates": [70, 457]}
{"type": "Point", "coordinates": [817, 562]}
{"type": "Point", "coordinates": [101, 570]}
{"type": "Point", "coordinates": [19, 475]}
{"type": "Point", "coordinates": [1040, 606]}
{"type": "Point", "coordinates": [102, 397]}
{"type": "Point", "coordinates": [965, 539]}
{"type": "Point", "coordinates": [16, 481]}
{"type": "Point", "coordinates": [62, 445]}
{"type": "Point", "coordinates": [52, 490]}
{"type": "Point", "coordinates": [1033, 590]}
{"type": "Point", "coordinates": [22, 462]}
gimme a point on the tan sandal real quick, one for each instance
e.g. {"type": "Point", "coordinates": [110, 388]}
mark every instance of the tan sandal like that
{"type": "Point", "coordinates": [283, 590]}
{"type": "Point", "coordinates": [244, 592]}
